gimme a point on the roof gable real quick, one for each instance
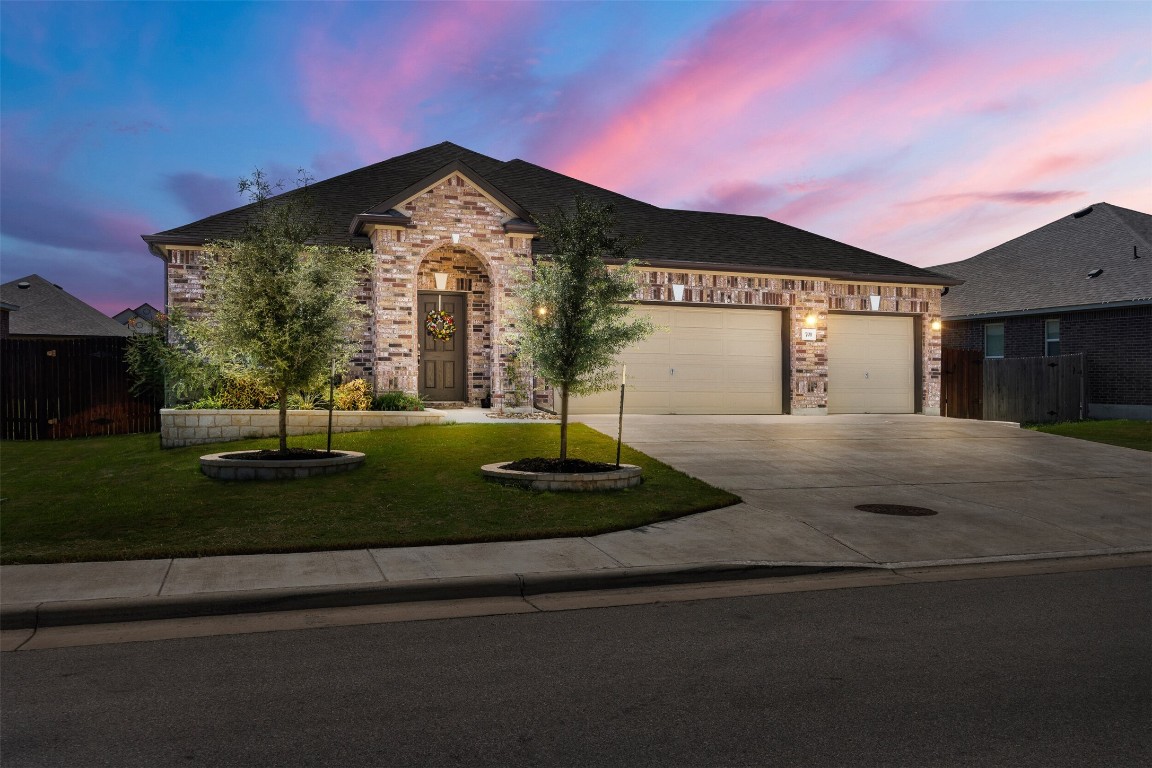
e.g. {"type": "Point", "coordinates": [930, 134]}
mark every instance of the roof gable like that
{"type": "Point", "coordinates": [1050, 266]}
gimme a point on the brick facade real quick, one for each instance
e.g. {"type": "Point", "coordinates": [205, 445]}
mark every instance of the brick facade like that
{"type": "Point", "coordinates": [1117, 344]}
{"type": "Point", "coordinates": [459, 230]}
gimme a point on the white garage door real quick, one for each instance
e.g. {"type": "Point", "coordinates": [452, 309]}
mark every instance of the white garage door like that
{"type": "Point", "coordinates": [871, 364]}
{"type": "Point", "coordinates": [700, 360]}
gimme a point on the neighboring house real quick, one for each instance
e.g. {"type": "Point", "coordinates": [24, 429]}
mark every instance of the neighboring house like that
{"type": "Point", "coordinates": [6, 310]}
{"type": "Point", "coordinates": [757, 316]}
{"type": "Point", "coordinates": [1080, 284]}
{"type": "Point", "coordinates": [140, 319]}
{"type": "Point", "coordinates": [47, 311]}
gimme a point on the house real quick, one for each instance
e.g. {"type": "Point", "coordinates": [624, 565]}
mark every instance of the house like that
{"type": "Point", "coordinates": [758, 316]}
{"type": "Point", "coordinates": [47, 311]}
{"type": "Point", "coordinates": [1082, 284]}
{"type": "Point", "coordinates": [139, 320]}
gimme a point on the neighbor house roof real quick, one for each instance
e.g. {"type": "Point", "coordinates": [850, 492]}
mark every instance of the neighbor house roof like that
{"type": "Point", "coordinates": [1056, 266]}
{"type": "Point", "coordinates": [46, 309]}
{"type": "Point", "coordinates": [670, 238]}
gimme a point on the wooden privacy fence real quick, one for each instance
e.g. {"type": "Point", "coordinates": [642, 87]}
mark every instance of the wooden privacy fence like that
{"type": "Point", "coordinates": [1024, 389]}
{"type": "Point", "coordinates": [69, 388]}
{"type": "Point", "coordinates": [961, 384]}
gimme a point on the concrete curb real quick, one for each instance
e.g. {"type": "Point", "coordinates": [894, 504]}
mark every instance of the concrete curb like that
{"type": "Point", "coordinates": [115, 610]}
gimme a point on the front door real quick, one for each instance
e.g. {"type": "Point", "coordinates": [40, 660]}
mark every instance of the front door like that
{"type": "Point", "coordinates": [442, 367]}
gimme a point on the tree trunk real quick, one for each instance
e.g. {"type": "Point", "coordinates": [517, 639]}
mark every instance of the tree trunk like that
{"type": "Point", "coordinates": [563, 422]}
{"type": "Point", "coordinates": [283, 395]}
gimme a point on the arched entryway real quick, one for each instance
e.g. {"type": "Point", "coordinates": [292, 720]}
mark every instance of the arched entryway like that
{"type": "Point", "coordinates": [457, 369]}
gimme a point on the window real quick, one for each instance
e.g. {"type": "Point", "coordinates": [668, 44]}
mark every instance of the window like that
{"type": "Point", "coordinates": [994, 340]}
{"type": "Point", "coordinates": [1051, 337]}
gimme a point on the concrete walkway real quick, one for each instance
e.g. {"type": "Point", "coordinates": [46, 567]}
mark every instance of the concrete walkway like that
{"type": "Point", "coordinates": [1000, 493]}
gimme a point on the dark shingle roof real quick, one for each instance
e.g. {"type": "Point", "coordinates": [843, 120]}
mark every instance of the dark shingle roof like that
{"type": "Point", "coordinates": [694, 238]}
{"type": "Point", "coordinates": [1049, 267]}
{"type": "Point", "coordinates": [45, 309]}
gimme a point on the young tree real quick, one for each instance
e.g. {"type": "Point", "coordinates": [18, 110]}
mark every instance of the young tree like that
{"type": "Point", "coordinates": [276, 309]}
{"type": "Point", "coordinates": [572, 310]}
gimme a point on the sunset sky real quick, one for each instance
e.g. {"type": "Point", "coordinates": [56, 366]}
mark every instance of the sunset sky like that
{"type": "Point", "coordinates": [924, 131]}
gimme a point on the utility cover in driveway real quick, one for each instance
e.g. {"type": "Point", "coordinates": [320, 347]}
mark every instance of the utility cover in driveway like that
{"type": "Point", "coordinates": [700, 360]}
{"type": "Point", "coordinates": [871, 364]}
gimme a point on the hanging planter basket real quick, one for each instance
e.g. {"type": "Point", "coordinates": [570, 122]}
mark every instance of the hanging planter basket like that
{"type": "Point", "coordinates": [440, 325]}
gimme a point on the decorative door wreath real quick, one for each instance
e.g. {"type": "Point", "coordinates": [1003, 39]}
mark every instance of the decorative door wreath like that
{"type": "Point", "coordinates": [440, 325]}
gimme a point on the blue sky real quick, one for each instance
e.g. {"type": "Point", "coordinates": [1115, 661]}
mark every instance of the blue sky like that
{"type": "Point", "coordinates": [927, 132]}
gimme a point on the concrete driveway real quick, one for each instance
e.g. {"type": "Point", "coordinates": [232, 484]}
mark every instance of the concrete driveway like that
{"type": "Point", "coordinates": [998, 490]}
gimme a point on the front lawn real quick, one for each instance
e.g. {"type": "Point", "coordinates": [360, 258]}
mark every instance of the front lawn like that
{"type": "Point", "coordinates": [1127, 433]}
{"type": "Point", "coordinates": [123, 498]}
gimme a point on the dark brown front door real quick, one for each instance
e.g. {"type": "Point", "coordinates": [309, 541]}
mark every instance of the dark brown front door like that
{"type": "Point", "coordinates": [442, 368]}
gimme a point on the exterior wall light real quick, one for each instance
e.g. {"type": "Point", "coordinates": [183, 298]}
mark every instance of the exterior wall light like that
{"type": "Point", "coordinates": [810, 320]}
{"type": "Point", "coordinates": [441, 280]}
{"type": "Point", "coordinates": [937, 325]}
{"type": "Point", "coordinates": [677, 292]}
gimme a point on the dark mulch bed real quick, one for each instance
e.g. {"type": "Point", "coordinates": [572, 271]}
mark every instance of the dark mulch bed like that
{"type": "Point", "coordinates": [571, 466]}
{"type": "Point", "coordinates": [292, 454]}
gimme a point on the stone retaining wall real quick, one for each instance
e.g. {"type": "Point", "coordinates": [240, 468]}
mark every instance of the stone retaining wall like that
{"type": "Point", "coordinates": [195, 427]}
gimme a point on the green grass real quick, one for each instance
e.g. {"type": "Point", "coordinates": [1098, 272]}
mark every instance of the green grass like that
{"type": "Point", "coordinates": [1127, 433]}
{"type": "Point", "coordinates": [123, 498]}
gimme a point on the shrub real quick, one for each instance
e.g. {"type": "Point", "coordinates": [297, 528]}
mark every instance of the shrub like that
{"type": "Point", "coordinates": [398, 401]}
{"type": "Point", "coordinates": [354, 395]}
{"type": "Point", "coordinates": [306, 400]}
{"type": "Point", "coordinates": [244, 392]}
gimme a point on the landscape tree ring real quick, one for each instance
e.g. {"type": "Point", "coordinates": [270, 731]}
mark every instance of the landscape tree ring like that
{"type": "Point", "coordinates": [232, 466]}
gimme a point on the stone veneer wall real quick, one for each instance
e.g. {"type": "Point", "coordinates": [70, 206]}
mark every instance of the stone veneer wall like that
{"type": "Point", "coordinates": [197, 427]}
{"type": "Point", "coordinates": [480, 252]}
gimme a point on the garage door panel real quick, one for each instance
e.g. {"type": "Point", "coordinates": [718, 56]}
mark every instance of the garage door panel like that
{"type": "Point", "coordinates": [700, 360]}
{"type": "Point", "coordinates": [871, 364]}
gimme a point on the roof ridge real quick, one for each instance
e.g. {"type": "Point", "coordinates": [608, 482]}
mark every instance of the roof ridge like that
{"type": "Point", "coordinates": [611, 192]}
{"type": "Point", "coordinates": [1112, 210]}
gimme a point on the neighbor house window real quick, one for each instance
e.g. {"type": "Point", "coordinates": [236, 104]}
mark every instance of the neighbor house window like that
{"type": "Point", "coordinates": [1051, 337]}
{"type": "Point", "coordinates": [994, 340]}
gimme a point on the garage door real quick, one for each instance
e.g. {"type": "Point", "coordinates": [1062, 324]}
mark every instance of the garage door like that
{"type": "Point", "coordinates": [871, 364]}
{"type": "Point", "coordinates": [700, 360]}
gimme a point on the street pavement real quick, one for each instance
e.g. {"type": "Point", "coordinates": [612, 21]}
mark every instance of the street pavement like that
{"type": "Point", "coordinates": [998, 493]}
{"type": "Point", "coordinates": [1043, 671]}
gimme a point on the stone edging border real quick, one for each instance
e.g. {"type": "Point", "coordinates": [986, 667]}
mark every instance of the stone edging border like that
{"type": "Point", "coordinates": [215, 466]}
{"type": "Point", "coordinates": [627, 476]}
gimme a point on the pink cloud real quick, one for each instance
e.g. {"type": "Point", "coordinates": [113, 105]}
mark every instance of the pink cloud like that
{"type": "Point", "coordinates": [748, 197]}
{"type": "Point", "coordinates": [718, 88]}
{"type": "Point", "coordinates": [388, 84]}
{"type": "Point", "coordinates": [1070, 147]}
{"type": "Point", "coordinates": [775, 92]}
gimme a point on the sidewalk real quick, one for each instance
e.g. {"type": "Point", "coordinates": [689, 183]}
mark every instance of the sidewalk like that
{"type": "Point", "coordinates": [1000, 494]}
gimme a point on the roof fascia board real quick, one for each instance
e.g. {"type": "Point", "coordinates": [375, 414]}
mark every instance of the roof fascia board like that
{"type": "Point", "coordinates": [820, 274]}
{"type": "Point", "coordinates": [1050, 310]}
{"type": "Point", "coordinates": [157, 244]}
{"type": "Point", "coordinates": [509, 205]}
